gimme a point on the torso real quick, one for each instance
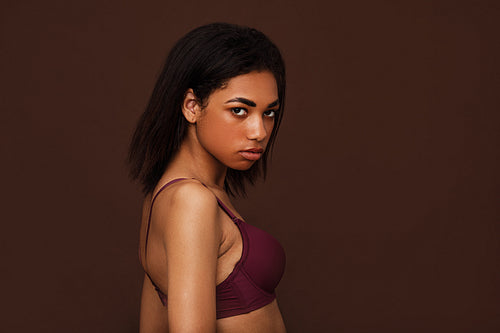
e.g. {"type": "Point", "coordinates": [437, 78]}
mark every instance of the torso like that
{"type": "Point", "coordinates": [153, 314]}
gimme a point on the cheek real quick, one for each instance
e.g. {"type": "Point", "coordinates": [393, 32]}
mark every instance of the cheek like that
{"type": "Point", "coordinates": [218, 134]}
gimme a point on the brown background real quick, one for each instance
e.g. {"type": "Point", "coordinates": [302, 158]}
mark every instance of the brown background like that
{"type": "Point", "coordinates": [384, 185]}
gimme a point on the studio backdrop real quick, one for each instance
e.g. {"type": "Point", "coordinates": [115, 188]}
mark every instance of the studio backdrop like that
{"type": "Point", "coordinates": [383, 186]}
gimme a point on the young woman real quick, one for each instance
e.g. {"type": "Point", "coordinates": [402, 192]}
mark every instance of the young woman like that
{"type": "Point", "coordinates": [207, 130]}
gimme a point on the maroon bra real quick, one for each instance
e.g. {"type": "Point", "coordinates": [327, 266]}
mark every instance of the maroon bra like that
{"type": "Point", "coordinates": [252, 282]}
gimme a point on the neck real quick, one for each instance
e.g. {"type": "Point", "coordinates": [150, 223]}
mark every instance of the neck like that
{"type": "Point", "coordinates": [192, 160]}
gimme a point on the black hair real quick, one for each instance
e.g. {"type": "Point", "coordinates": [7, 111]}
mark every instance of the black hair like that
{"type": "Point", "coordinates": [204, 60]}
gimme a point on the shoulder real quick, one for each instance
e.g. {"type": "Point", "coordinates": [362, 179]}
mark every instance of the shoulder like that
{"type": "Point", "coordinates": [190, 192]}
{"type": "Point", "coordinates": [186, 203]}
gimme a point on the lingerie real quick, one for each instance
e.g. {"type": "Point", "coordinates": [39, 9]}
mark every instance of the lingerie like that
{"type": "Point", "coordinates": [255, 276]}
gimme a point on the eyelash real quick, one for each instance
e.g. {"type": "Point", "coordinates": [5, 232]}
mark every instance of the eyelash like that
{"type": "Point", "coordinates": [274, 113]}
{"type": "Point", "coordinates": [236, 110]}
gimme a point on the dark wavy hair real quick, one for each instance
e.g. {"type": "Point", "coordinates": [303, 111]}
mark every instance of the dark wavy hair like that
{"type": "Point", "coordinates": [204, 60]}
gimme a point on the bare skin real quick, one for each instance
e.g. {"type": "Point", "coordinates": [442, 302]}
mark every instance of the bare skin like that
{"type": "Point", "coordinates": [193, 245]}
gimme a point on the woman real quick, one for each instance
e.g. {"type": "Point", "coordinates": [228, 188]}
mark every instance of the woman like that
{"type": "Point", "coordinates": [210, 123]}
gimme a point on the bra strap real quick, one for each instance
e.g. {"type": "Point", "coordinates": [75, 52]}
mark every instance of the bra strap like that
{"type": "Point", "coordinates": [219, 201]}
{"type": "Point", "coordinates": [221, 204]}
{"type": "Point", "coordinates": [226, 209]}
{"type": "Point", "coordinates": [151, 211]}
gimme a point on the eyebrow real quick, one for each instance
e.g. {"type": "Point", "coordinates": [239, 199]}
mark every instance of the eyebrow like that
{"type": "Point", "coordinates": [249, 102]}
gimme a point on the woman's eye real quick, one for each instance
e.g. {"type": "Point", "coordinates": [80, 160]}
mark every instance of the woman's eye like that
{"type": "Point", "coordinates": [270, 113]}
{"type": "Point", "coordinates": [239, 111]}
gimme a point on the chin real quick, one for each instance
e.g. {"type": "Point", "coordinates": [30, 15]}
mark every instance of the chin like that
{"type": "Point", "coordinates": [242, 166]}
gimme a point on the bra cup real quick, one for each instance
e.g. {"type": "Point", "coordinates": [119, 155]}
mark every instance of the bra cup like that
{"type": "Point", "coordinates": [265, 262]}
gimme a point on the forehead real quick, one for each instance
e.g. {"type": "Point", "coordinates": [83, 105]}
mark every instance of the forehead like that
{"type": "Point", "coordinates": [259, 87]}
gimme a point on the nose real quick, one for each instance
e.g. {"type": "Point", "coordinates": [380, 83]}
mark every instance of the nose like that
{"type": "Point", "coordinates": [256, 129]}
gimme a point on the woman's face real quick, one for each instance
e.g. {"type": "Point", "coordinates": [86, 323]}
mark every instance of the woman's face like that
{"type": "Point", "coordinates": [237, 121]}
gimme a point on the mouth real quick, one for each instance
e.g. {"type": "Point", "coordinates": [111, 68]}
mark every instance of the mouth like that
{"type": "Point", "coordinates": [252, 154]}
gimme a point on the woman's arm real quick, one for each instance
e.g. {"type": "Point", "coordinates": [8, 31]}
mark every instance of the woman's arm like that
{"type": "Point", "coordinates": [192, 236]}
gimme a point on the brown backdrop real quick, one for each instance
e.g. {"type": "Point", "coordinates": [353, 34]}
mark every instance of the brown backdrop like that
{"type": "Point", "coordinates": [384, 185]}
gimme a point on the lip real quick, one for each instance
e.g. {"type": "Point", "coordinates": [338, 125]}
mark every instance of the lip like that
{"type": "Point", "coordinates": [252, 154]}
{"type": "Point", "coordinates": [255, 150]}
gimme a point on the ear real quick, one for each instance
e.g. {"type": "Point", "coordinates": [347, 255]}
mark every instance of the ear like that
{"type": "Point", "coordinates": [190, 106]}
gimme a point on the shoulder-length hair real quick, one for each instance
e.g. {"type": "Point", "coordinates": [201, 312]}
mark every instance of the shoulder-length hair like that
{"type": "Point", "coordinates": [204, 60]}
